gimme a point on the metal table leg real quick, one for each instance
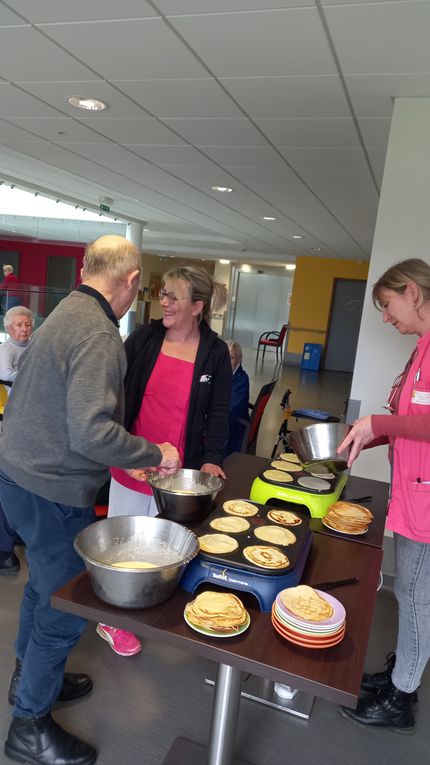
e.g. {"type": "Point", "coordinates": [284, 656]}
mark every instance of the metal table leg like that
{"type": "Point", "coordinates": [225, 715]}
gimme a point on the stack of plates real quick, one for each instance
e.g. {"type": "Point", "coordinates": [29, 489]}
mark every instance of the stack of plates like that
{"type": "Point", "coordinates": [310, 634]}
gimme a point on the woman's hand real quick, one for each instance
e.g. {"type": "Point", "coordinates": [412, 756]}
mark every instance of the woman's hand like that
{"type": "Point", "coordinates": [139, 474]}
{"type": "Point", "coordinates": [208, 467]}
{"type": "Point", "coordinates": [358, 437]}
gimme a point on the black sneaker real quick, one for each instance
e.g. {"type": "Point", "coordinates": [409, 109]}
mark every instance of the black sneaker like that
{"type": "Point", "coordinates": [9, 563]}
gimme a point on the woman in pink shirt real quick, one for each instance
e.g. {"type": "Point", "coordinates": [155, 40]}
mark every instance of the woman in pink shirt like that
{"type": "Point", "coordinates": [177, 388]}
{"type": "Point", "coordinates": [403, 296]}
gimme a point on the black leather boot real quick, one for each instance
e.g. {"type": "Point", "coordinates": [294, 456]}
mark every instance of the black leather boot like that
{"type": "Point", "coordinates": [74, 685]}
{"type": "Point", "coordinates": [40, 740]}
{"type": "Point", "coordinates": [372, 683]}
{"type": "Point", "coordinates": [388, 708]}
{"type": "Point", "coordinates": [9, 563]}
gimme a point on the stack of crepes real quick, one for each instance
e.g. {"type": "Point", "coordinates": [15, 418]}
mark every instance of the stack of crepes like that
{"type": "Point", "coordinates": [348, 518]}
{"type": "Point", "coordinates": [308, 617]}
{"type": "Point", "coordinates": [219, 612]}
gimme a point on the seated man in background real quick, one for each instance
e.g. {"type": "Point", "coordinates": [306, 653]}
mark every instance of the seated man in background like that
{"type": "Point", "coordinates": [18, 323]}
{"type": "Point", "coordinates": [239, 398]}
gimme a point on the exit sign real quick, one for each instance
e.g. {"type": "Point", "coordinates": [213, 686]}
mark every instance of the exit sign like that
{"type": "Point", "coordinates": [105, 208]}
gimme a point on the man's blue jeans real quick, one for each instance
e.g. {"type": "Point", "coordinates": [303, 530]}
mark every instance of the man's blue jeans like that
{"type": "Point", "coordinates": [7, 536]}
{"type": "Point", "coordinates": [45, 636]}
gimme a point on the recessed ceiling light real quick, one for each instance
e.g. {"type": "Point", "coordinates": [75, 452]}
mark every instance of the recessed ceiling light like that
{"type": "Point", "coordinates": [316, 249]}
{"type": "Point", "coordinates": [224, 262]}
{"type": "Point", "coordinates": [223, 189]}
{"type": "Point", "coordinates": [268, 217]}
{"type": "Point", "coordinates": [290, 267]}
{"type": "Point", "coordinates": [146, 229]}
{"type": "Point", "coordinates": [91, 104]}
{"type": "Point", "coordinates": [297, 236]}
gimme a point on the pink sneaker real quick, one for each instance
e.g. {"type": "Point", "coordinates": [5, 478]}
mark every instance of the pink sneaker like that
{"type": "Point", "coordinates": [122, 642]}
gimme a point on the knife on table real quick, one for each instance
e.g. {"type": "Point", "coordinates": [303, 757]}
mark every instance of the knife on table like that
{"type": "Point", "coordinates": [338, 583]}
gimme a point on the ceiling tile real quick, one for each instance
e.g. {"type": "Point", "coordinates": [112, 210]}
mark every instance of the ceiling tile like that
{"type": "Point", "coordinates": [15, 103]}
{"type": "Point", "coordinates": [239, 156]}
{"type": "Point", "coordinates": [145, 130]}
{"type": "Point", "coordinates": [56, 94]}
{"type": "Point", "coordinates": [217, 132]}
{"type": "Point", "coordinates": [325, 133]}
{"type": "Point", "coordinates": [176, 7]}
{"type": "Point", "coordinates": [149, 49]}
{"type": "Point", "coordinates": [57, 129]}
{"type": "Point", "coordinates": [8, 17]}
{"type": "Point", "coordinates": [259, 44]}
{"type": "Point", "coordinates": [170, 155]}
{"type": "Point", "coordinates": [325, 158]}
{"type": "Point", "coordinates": [375, 132]}
{"type": "Point", "coordinates": [25, 54]}
{"type": "Point", "coordinates": [372, 94]}
{"type": "Point", "coordinates": [181, 98]}
{"type": "Point", "coordinates": [319, 96]}
{"type": "Point", "coordinates": [395, 35]}
{"type": "Point", "coordinates": [52, 10]}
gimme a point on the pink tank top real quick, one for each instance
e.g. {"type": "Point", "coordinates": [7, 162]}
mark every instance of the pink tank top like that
{"type": "Point", "coordinates": [163, 411]}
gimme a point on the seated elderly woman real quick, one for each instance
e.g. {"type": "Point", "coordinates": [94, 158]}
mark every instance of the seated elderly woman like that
{"type": "Point", "coordinates": [18, 323]}
{"type": "Point", "coordinates": [239, 398]}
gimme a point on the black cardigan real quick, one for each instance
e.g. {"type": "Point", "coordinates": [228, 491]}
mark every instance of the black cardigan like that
{"type": "Point", "coordinates": [207, 424]}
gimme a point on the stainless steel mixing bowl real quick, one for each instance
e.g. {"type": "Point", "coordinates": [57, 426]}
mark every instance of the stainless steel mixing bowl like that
{"type": "Point", "coordinates": [317, 444]}
{"type": "Point", "coordinates": [186, 496]}
{"type": "Point", "coordinates": [167, 545]}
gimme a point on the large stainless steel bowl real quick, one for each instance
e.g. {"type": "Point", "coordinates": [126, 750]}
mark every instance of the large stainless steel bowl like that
{"type": "Point", "coordinates": [167, 545]}
{"type": "Point", "coordinates": [186, 496]}
{"type": "Point", "coordinates": [317, 444]}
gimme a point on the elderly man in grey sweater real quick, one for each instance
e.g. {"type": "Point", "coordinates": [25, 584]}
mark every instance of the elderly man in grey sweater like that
{"type": "Point", "coordinates": [62, 428]}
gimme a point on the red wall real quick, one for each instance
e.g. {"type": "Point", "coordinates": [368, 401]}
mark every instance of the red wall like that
{"type": "Point", "coordinates": [33, 257]}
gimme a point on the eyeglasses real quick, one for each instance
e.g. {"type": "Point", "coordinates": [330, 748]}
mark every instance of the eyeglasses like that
{"type": "Point", "coordinates": [393, 398]}
{"type": "Point", "coordinates": [170, 296]}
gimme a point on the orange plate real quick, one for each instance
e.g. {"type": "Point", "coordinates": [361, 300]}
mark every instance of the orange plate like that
{"type": "Point", "coordinates": [298, 640]}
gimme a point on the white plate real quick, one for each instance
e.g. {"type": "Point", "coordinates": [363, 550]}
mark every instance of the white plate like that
{"type": "Point", "coordinates": [212, 633]}
{"type": "Point", "coordinates": [352, 533]}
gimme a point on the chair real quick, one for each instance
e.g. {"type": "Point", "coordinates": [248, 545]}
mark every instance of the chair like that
{"type": "Point", "coordinates": [4, 395]}
{"type": "Point", "coordinates": [272, 340]}
{"type": "Point", "coordinates": [252, 427]}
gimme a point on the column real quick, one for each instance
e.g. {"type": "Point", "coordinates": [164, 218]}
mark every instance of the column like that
{"type": "Point", "coordinates": [133, 234]}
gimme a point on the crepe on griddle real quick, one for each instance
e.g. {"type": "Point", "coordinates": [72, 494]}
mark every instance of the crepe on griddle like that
{"type": "Point", "coordinates": [217, 611]}
{"type": "Point", "coordinates": [230, 523]}
{"type": "Point", "coordinates": [239, 507]}
{"type": "Point", "coordinates": [265, 556]}
{"type": "Point", "coordinates": [292, 467]}
{"type": "Point", "coordinates": [305, 602]}
{"type": "Point", "coordinates": [278, 475]}
{"type": "Point", "coordinates": [217, 543]}
{"type": "Point", "coordinates": [289, 457]}
{"type": "Point", "coordinates": [285, 517]}
{"type": "Point", "coordinates": [275, 535]}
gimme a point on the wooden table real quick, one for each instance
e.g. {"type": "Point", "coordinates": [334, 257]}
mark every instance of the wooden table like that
{"type": "Point", "coordinates": [333, 674]}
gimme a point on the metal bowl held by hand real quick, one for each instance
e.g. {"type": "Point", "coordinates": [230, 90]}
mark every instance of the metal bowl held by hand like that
{"type": "Point", "coordinates": [186, 496]}
{"type": "Point", "coordinates": [135, 539]}
{"type": "Point", "coordinates": [317, 444]}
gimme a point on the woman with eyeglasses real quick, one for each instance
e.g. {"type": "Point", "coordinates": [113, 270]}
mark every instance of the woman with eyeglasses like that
{"type": "Point", "coordinates": [177, 389]}
{"type": "Point", "coordinates": [403, 295]}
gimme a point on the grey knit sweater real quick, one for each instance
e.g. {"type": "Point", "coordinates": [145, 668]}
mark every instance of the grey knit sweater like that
{"type": "Point", "coordinates": [62, 423]}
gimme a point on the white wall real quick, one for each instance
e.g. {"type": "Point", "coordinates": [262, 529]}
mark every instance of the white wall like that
{"type": "Point", "coordinates": [402, 231]}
